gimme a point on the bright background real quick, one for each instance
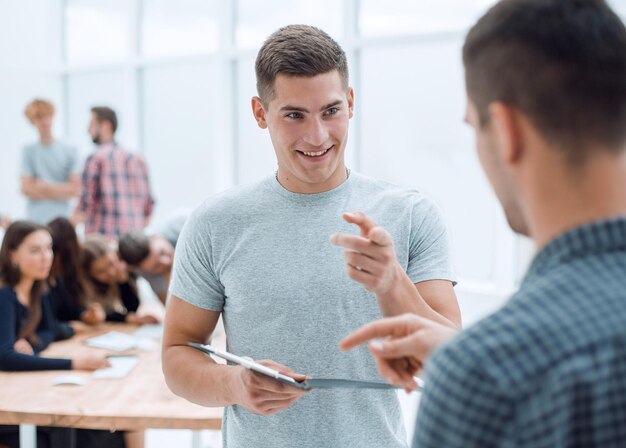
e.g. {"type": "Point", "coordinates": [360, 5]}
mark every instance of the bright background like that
{"type": "Point", "coordinates": [180, 76]}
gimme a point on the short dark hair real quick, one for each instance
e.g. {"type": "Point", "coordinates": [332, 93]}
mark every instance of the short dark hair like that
{"type": "Point", "coordinates": [134, 247]}
{"type": "Point", "coordinates": [560, 62]}
{"type": "Point", "coordinates": [104, 113]}
{"type": "Point", "coordinates": [297, 50]}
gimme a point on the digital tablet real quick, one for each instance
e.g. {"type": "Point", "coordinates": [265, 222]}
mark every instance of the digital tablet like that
{"type": "Point", "coordinates": [311, 383]}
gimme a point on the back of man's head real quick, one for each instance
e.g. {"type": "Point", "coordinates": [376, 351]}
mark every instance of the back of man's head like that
{"type": "Point", "coordinates": [134, 247]}
{"type": "Point", "coordinates": [562, 63]}
{"type": "Point", "coordinates": [104, 113]}
{"type": "Point", "coordinates": [297, 50]}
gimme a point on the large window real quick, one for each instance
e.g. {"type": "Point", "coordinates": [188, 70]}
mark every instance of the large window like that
{"type": "Point", "coordinates": [181, 75]}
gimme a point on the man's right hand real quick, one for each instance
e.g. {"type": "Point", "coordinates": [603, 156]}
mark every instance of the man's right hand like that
{"type": "Point", "coordinates": [262, 395]}
{"type": "Point", "coordinates": [409, 340]}
{"type": "Point", "coordinates": [92, 362]}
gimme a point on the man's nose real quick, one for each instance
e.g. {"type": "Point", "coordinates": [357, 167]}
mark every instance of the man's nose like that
{"type": "Point", "coordinates": [316, 134]}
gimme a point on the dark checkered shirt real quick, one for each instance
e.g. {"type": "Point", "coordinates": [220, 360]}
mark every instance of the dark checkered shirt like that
{"type": "Point", "coordinates": [548, 369]}
{"type": "Point", "coordinates": [115, 193]}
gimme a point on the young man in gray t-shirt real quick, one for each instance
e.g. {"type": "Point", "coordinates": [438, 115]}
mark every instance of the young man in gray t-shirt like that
{"type": "Point", "coordinates": [259, 256]}
{"type": "Point", "coordinates": [49, 176]}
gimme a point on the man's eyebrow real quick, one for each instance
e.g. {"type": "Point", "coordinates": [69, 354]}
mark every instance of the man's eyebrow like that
{"type": "Point", "coordinates": [333, 104]}
{"type": "Point", "coordinates": [290, 108]}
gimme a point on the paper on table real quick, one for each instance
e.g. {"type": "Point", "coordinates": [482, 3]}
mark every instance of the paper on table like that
{"type": "Point", "coordinates": [119, 342]}
{"type": "Point", "coordinates": [120, 367]}
{"type": "Point", "coordinates": [113, 340]}
{"type": "Point", "coordinates": [152, 331]}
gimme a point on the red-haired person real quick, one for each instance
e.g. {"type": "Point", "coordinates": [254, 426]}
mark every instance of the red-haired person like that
{"type": "Point", "coordinates": [50, 168]}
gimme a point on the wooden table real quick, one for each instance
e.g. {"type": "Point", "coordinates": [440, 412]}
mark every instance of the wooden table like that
{"type": "Point", "coordinates": [139, 401]}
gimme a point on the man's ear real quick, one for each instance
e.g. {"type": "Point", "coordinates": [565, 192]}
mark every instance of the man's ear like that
{"type": "Point", "coordinates": [259, 112]}
{"type": "Point", "coordinates": [350, 102]}
{"type": "Point", "coordinates": [507, 131]}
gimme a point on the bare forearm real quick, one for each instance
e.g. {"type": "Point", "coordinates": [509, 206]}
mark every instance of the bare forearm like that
{"type": "Point", "coordinates": [33, 191]}
{"type": "Point", "coordinates": [193, 376]}
{"type": "Point", "coordinates": [44, 190]}
{"type": "Point", "coordinates": [65, 190]}
{"type": "Point", "coordinates": [404, 297]}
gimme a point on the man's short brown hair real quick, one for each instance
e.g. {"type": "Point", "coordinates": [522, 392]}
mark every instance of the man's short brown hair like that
{"type": "Point", "coordinates": [297, 50]}
{"type": "Point", "coordinates": [38, 108]}
{"type": "Point", "coordinates": [562, 63]}
{"type": "Point", "coordinates": [104, 113]}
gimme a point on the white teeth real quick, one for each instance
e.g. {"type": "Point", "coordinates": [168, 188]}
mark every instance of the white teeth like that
{"type": "Point", "coordinates": [315, 154]}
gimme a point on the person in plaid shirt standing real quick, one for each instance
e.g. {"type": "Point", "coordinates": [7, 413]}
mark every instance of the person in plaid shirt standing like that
{"type": "Point", "coordinates": [546, 84]}
{"type": "Point", "coordinates": [115, 196]}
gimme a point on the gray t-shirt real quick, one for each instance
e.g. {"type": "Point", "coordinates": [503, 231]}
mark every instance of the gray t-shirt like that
{"type": "Point", "coordinates": [52, 163]}
{"type": "Point", "coordinates": [261, 255]}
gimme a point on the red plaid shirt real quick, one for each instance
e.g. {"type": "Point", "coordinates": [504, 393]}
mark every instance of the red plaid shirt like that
{"type": "Point", "coordinates": [115, 194]}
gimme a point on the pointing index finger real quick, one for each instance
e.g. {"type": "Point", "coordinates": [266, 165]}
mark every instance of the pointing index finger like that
{"type": "Point", "coordinates": [365, 223]}
{"type": "Point", "coordinates": [377, 329]}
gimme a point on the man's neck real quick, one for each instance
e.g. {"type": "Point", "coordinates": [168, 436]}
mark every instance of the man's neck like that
{"type": "Point", "coordinates": [105, 141]}
{"type": "Point", "coordinates": [46, 139]}
{"type": "Point", "coordinates": [294, 185]}
{"type": "Point", "coordinates": [569, 199]}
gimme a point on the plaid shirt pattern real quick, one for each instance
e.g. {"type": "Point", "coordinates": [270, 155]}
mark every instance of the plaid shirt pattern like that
{"type": "Point", "coordinates": [115, 194]}
{"type": "Point", "coordinates": [549, 368]}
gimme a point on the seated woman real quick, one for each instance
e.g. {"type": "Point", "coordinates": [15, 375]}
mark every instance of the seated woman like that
{"type": "Point", "coordinates": [108, 282]}
{"type": "Point", "coordinates": [26, 322]}
{"type": "Point", "coordinates": [65, 282]}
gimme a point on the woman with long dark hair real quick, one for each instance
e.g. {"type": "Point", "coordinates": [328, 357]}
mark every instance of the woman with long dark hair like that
{"type": "Point", "coordinates": [26, 322]}
{"type": "Point", "coordinates": [67, 294]}
{"type": "Point", "coordinates": [108, 282]}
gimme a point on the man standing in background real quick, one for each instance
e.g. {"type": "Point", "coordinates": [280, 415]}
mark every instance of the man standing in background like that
{"type": "Point", "coordinates": [49, 168]}
{"type": "Point", "coordinates": [115, 195]}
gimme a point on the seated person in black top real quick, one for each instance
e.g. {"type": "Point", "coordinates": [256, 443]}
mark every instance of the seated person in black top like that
{"type": "Point", "coordinates": [65, 282]}
{"type": "Point", "coordinates": [26, 322]}
{"type": "Point", "coordinates": [108, 282]}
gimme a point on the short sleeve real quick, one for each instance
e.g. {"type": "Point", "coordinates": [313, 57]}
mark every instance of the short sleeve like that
{"type": "Point", "coordinates": [429, 253]}
{"type": "Point", "coordinates": [193, 276]}
{"type": "Point", "coordinates": [28, 168]}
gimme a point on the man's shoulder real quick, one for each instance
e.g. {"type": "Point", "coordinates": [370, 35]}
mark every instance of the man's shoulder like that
{"type": "Point", "coordinates": [384, 191]}
{"type": "Point", "coordinates": [235, 201]}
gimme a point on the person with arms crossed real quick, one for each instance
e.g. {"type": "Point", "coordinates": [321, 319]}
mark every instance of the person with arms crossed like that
{"type": "Point", "coordinates": [259, 256]}
{"type": "Point", "coordinates": [546, 86]}
{"type": "Point", "coordinates": [50, 176]}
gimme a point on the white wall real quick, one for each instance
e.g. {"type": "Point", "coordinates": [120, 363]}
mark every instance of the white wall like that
{"type": "Point", "coordinates": [29, 58]}
{"type": "Point", "coordinates": [181, 75]}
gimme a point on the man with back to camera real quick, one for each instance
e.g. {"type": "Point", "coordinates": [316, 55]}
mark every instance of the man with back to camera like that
{"type": "Point", "coordinates": [151, 255]}
{"type": "Point", "coordinates": [546, 85]}
{"type": "Point", "coordinates": [259, 256]}
{"type": "Point", "coordinates": [50, 176]}
{"type": "Point", "coordinates": [115, 195]}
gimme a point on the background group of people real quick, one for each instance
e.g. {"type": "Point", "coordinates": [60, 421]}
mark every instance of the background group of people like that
{"type": "Point", "coordinates": [55, 284]}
